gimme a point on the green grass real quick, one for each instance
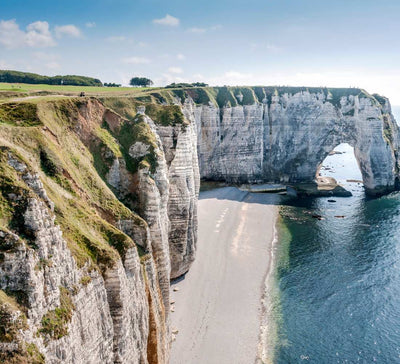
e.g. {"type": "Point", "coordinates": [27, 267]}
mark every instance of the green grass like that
{"type": "Point", "coordinates": [33, 354]}
{"type": "Point", "coordinates": [225, 98]}
{"type": "Point", "coordinates": [14, 196]}
{"type": "Point", "coordinates": [200, 95]}
{"type": "Point", "coordinates": [55, 322]}
{"type": "Point", "coordinates": [38, 93]}
{"type": "Point", "coordinates": [85, 207]}
{"type": "Point", "coordinates": [85, 280]}
{"type": "Point", "coordinates": [124, 106]}
{"type": "Point", "coordinates": [168, 115]}
{"type": "Point", "coordinates": [26, 353]}
{"type": "Point", "coordinates": [24, 87]}
{"type": "Point", "coordinates": [249, 97]}
{"type": "Point", "coordinates": [138, 130]}
{"type": "Point", "coordinates": [221, 96]}
{"type": "Point", "coordinates": [381, 100]}
{"type": "Point", "coordinates": [21, 114]}
{"type": "Point", "coordinates": [10, 324]}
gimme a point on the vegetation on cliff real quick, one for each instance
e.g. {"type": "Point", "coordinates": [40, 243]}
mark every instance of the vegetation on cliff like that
{"type": "Point", "coordinates": [85, 208]}
{"type": "Point", "coordinates": [55, 322]}
{"type": "Point", "coordinates": [19, 114]}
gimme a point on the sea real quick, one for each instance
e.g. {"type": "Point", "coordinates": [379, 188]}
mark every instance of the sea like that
{"type": "Point", "coordinates": [337, 277]}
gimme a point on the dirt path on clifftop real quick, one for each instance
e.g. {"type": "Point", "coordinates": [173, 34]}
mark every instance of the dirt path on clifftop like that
{"type": "Point", "coordinates": [217, 305]}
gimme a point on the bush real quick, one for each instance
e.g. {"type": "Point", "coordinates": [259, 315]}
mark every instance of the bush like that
{"type": "Point", "coordinates": [50, 163]}
{"type": "Point", "coordinates": [185, 85]}
{"type": "Point", "coordinates": [19, 114]}
{"type": "Point", "coordinates": [55, 322]}
{"type": "Point", "coordinates": [140, 81]}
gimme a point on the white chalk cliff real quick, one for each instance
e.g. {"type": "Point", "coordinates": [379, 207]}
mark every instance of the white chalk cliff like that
{"type": "Point", "coordinates": [286, 137]}
{"type": "Point", "coordinates": [98, 202]}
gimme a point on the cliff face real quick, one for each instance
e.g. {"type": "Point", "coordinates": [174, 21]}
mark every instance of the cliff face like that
{"type": "Point", "coordinates": [83, 278]}
{"type": "Point", "coordinates": [286, 136]}
{"type": "Point", "coordinates": [98, 202]}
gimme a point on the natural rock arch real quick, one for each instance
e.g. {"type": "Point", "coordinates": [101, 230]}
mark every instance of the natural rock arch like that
{"type": "Point", "coordinates": [370, 130]}
{"type": "Point", "coordinates": [285, 138]}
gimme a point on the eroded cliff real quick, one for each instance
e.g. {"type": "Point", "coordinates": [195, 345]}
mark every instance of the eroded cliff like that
{"type": "Point", "coordinates": [98, 201]}
{"type": "Point", "coordinates": [96, 197]}
{"type": "Point", "coordinates": [267, 134]}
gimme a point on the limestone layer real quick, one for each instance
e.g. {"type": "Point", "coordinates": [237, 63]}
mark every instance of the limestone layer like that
{"type": "Point", "coordinates": [83, 278]}
{"type": "Point", "coordinates": [285, 138]}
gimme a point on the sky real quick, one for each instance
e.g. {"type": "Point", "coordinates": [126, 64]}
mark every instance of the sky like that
{"type": "Point", "coordinates": [250, 42]}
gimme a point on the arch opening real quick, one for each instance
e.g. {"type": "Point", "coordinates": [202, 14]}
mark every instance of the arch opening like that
{"type": "Point", "coordinates": [341, 168]}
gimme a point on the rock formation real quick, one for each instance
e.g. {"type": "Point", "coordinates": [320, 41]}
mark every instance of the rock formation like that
{"type": "Point", "coordinates": [284, 135]}
{"type": "Point", "coordinates": [83, 278]}
{"type": "Point", "coordinates": [98, 201]}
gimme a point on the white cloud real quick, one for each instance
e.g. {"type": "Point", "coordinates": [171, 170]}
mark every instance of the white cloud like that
{"type": "Point", "coordinates": [176, 70]}
{"type": "Point", "coordinates": [53, 65]}
{"type": "Point", "coordinates": [198, 77]}
{"type": "Point", "coordinates": [69, 30]}
{"type": "Point", "coordinates": [235, 78]}
{"type": "Point", "coordinates": [4, 64]}
{"type": "Point", "coordinates": [180, 57]}
{"type": "Point", "coordinates": [10, 34]}
{"type": "Point", "coordinates": [168, 20]}
{"type": "Point", "coordinates": [37, 34]}
{"type": "Point", "coordinates": [168, 78]}
{"type": "Point", "coordinates": [90, 24]}
{"type": "Point", "coordinates": [234, 75]}
{"type": "Point", "coordinates": [136, 60]}
{"type": "Point", "coordinates": [46, 59]}
{"type": "Point", "coordinates": [45, 56]}
{"type": "Point", "coordinates": [115, 38]}
{"type": "Point", "coordinates": [197, 30]}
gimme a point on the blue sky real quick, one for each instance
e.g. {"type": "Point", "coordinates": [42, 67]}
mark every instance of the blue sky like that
{"type": "Point", "coordinates": [270, 42]}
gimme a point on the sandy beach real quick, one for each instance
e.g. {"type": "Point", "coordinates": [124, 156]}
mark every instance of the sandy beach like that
{"type": "Point", "coordinates": [217, 309]}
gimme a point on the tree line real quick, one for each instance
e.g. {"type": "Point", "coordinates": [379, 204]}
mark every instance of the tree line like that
{"type": "Point", "coordinates": [146, 82]}
{"type": "Point", "coordinates": [33, 78]}
{"type": "Point", "coordinates": [74, 80]}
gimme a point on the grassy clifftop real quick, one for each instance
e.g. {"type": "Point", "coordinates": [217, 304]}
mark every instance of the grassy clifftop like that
{"type": "Point", "coordinates": [221, 96]}
{"type": "Point", "coordinates": [71, 144]}
{"type": "Point", "coordinates": [52, 145]}
{"type": "Point", "coordinates": [242, 95]}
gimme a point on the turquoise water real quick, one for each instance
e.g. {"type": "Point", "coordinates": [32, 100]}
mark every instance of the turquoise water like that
{"type": "Point", "coordinates": [339, 278]}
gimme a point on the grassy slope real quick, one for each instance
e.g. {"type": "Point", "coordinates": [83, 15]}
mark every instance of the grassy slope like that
{"type": "Point", "coordinates": [201, 95]}
{"type": "Point", "coordinates": [24, 87]}
{"type": "Point", "coordinates": [85, 207]}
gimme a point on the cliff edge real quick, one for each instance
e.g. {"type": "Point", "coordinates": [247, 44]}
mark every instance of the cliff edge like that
{"type": "Point", "coordinates": [97, 199]}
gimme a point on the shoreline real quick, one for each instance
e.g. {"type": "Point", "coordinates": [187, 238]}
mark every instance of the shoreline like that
{"type": "Point", "coordinates": [268, 327]}
{"type": "Point", "coordinates": [219, 310]}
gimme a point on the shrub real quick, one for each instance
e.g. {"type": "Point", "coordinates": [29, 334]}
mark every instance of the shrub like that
{"type": "Point", "coordinates": [49, 162]}
{"type": "Point", "coordinates": [20, 114]}
{"type": "Point", "coordinates": [55, 322]}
